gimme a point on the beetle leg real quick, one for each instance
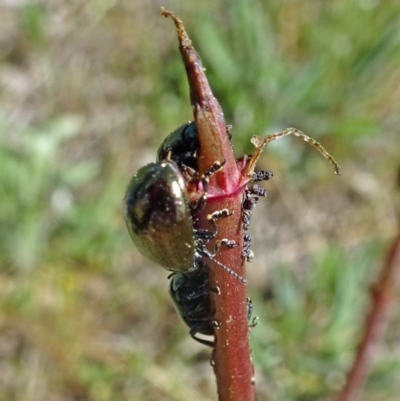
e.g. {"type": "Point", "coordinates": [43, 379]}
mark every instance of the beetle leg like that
{"type": "Point", "coordinates": [256, 190]}
{"type": "Point", "coordinates": [215, 324]}
{"type": "Point", "coordinates": [262, 175]}
{"type": "Point", "coordinates": [207, 234]}
{"type": "Point", "coordinates": [215, 290]}
{"type": "Point", "coordinates": [247, 252]}
{"type": "Point", "coordinates": [226, 242]}
{"type": "Point", "coordinates": [254, 322]}
{"type": "Point", "coordinates": [218, 214]}
{"type": "Point", "coordinates": [250, 199]}
{"type": "Point", "coordinates": [203, 236]}
{"type": "Point", "coordinates": [217, 166]}
{"type": "Point", "coordinates": [188, 173]}
{"type": "Point", "coordinates": [228, 131]}
{"type": "Point", "coordinates": [193, 333]}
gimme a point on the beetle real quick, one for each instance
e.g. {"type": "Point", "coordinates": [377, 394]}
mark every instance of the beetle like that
{"type": "Point", "coordinates": [182, 145]}
{"type": "Point", "coordinates": [190, 292]}
{"type": "Point", "coordinates": [158, 213]}
{"type": "Point", "coordinates": [159, 220]}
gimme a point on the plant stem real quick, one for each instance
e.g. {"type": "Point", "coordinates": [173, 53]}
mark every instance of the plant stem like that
{"type": "Point", "coordinates": [382, 300]}
{"type": "Point", "coordinates": [231, 355]}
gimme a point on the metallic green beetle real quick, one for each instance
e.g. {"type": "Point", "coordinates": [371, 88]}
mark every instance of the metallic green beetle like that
{"type": "Point", "coordinates": [158, 216]}
{"type": "Point", "coordinates": [159, 220]}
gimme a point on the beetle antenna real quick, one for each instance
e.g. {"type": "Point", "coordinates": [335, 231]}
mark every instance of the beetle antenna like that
{"type": "Point", "coordinates": [230, 271]}
{"type": "Point", "coordinates": [206, 253]}
{"type": "Point", "coordinates": [262, 142]}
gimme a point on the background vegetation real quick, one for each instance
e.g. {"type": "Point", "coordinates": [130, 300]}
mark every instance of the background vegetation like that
{"type": "Point", "coordinates": [88, 89]}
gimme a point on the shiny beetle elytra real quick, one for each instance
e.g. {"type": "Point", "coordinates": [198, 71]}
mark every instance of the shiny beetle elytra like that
{"type": "Point", "coordinates": [190, 292]}
{"type": "Point", "coordinates": [159, 220]}
{"type": "Point", "coordinates": [158, 216]}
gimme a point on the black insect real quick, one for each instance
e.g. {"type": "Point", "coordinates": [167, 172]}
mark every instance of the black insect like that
{"type": "Point", "coordinates": [190, 292]}
{"type": "Point", "coordinates": [182, 146]}
{"type": "Point", "coordinates": [159, 218]}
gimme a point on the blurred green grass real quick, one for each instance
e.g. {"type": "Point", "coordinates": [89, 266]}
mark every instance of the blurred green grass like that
{"type": "Point", "coordinates": [87, 92]}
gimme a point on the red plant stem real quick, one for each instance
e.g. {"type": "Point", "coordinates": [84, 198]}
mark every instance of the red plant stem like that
{"type": "Point", "coordinates": [231, 355]}
{"type": "Point", "coordinates": [208, 115]}
{"type": "Point", "coordinates": [382, 297]}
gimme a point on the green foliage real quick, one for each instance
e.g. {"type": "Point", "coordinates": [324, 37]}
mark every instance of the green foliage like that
{"type": "Point", "coordinates": [319, 68]}
{"type": "Point", "coordinates": [311, 323]}
{"type": "Point", "coordinates": [33, 23]}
